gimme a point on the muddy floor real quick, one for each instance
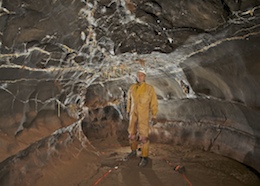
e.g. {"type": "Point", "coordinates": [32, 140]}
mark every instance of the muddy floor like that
{"type": "Point", "coordinates": [200, 168]}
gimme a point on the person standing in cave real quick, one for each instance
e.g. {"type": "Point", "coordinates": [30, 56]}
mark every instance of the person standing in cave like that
{"type": "Point", "coordinates": [141, 103]}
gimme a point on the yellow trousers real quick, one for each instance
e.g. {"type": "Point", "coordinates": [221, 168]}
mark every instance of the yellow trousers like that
{"type": "Point", "coordinates": [138, 134]}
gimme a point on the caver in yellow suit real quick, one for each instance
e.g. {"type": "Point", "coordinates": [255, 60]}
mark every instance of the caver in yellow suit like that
{"type": "Point", "coordinates": [141, 105]}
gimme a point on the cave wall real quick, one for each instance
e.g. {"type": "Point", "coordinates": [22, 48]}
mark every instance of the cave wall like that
{"type": "Point", "coordinates": [65, 61]}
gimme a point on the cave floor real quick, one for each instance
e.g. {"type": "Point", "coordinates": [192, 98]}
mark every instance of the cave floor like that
{"type": "Point", "coordinates": [201, 168]}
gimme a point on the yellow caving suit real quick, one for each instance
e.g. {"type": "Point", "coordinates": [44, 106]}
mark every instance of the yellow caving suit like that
{"type": "Point", "coordinates": [141, 100]}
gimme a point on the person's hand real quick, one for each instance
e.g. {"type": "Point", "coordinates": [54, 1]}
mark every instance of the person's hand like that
{"type": "Point", "coordinates": [154, 121]}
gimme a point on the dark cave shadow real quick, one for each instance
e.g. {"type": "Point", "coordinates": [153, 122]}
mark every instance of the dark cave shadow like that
{"type": "Point", "coordinates": [132, 174]}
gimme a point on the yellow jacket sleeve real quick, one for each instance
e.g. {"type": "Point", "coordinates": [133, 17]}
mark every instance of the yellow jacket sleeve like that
{"type": "Point", "coordinates": [154, 104]}
{"type": "Point", "coordinates": [128, 106]}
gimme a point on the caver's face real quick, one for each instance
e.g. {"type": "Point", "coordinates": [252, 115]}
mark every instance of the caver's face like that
{"type": "Point", "coordinates": [140, 77]}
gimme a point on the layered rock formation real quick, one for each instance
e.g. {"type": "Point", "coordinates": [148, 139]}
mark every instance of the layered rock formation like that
{"type": "Point", "coordinates": [67, 64]}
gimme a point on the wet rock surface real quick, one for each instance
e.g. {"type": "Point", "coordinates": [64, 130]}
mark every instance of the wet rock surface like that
{"type": "Point", "coordinates": [68, 64]}
{"type": "Point", "coordinates": [198, 167]}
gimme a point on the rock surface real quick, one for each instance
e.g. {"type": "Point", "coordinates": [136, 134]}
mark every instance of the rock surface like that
{"type": "Point", "coordinates": [68, 64]}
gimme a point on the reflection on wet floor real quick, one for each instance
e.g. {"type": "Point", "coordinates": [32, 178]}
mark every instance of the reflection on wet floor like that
{"type": "Point", "coordinates": [200, 168]}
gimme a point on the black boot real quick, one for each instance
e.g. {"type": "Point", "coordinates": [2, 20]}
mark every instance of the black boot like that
{"type": "Point", "coordinates": [130, 155]}
{"type": "Point", "coordinates": [143, 162]}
